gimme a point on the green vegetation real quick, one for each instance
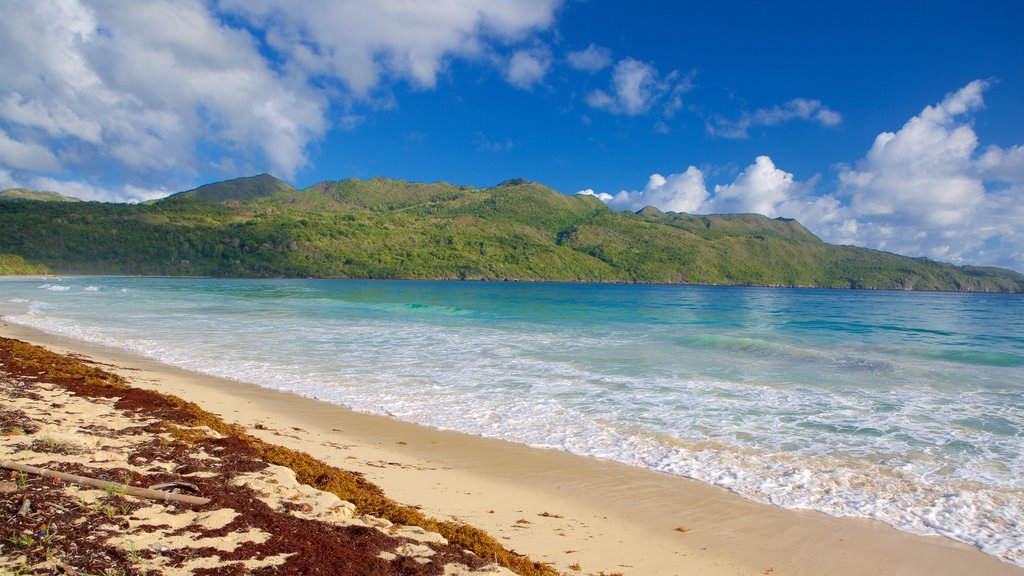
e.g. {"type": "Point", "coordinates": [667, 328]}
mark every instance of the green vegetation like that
{"type": "Point", "coordinates": [518, 230]}
{"type": "Point", "coordinates": [12, 265]}
{"type": "Point", "coordinates": [23, 194]}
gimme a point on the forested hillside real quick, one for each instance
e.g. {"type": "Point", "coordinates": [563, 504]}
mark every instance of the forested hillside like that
{"type": "Point", "coordinates": [383, 228]}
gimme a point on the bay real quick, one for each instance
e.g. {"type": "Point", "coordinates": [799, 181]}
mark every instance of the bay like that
{"type": "Point", "coordinates": [904, 407]}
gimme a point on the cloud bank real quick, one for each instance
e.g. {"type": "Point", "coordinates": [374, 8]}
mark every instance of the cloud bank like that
{"type": "Point", "coordinates": [927, 189]}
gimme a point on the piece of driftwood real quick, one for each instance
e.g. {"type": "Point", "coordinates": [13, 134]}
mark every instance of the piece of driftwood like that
{"type": "Point", "coordinates": [103, 484]}
{"type": "Point", "coordinates": [176, 486]}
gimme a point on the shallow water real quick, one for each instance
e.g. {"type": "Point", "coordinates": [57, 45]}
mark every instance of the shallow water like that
{"type": "Point", "coordinates": [904, 407]}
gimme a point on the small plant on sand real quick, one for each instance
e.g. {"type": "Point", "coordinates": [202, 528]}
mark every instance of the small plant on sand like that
{"type": "Point", "coordinates": [22, 479]}
{"type": "Point", "coordinates": [116, 490]}
{"type": "Point", "coordinates": [103, 509]}
{"type": "Point", "coordinates": [132, 551]}
{"type": "Point", "coordinates": [52, 445]}
{"type": "Point", "coordinates": [20, 540]}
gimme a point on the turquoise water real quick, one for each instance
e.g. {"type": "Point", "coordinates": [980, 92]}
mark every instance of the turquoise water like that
{"type": "Point", "coordinates": [904, 407]}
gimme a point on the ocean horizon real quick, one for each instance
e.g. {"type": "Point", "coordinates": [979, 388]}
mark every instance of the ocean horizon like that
{"type": "Point", "coordinates": [905, 407]}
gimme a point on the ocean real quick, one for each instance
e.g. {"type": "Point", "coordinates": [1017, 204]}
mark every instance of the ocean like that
{"type": "Point", "coordinates": [903, 407]}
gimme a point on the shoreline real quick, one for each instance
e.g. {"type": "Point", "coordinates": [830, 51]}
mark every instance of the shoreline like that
{"type": "Point", "coordinates": [600, 515]}
{"type": "Point", "coordinates": [516, 281]}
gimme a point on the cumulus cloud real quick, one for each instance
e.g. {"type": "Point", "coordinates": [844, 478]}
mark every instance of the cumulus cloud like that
{"type": "Point", "coordinates": [169, 90]}
{"type": "Point", "coordinates": [143, 88]}
{"type": "Point", "coordinates": [637, 87]}
{"type": "Point", "coordinates": [796, 109]}
{"type": "Point", "coordinates": [528, 67]}
{"type": "Point", "coordinates": [1000, 164]}
{"type": "Point", "coordinates": [592, 59]}
{"type": "Point", "coordinates": [923, 190]}
{"type": "Point", "coordinates": [362, 43]}
{"type": "Point", "coordinates": [683, 192]}
{"type": "Point", "coordinates": [761, 188]}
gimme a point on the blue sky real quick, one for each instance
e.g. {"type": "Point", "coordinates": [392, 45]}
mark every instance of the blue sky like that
{"type": "Point", "coordinates": [892, 125]}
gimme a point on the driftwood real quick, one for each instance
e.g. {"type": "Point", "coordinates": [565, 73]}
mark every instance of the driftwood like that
{"type": "Point", "coordinates": [103, 484]}
{"type": "Point", "coordinates": [176, 486]}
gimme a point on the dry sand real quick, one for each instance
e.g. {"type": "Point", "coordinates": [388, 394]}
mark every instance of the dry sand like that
{"type": "Point", "coordinates": [568, 510]}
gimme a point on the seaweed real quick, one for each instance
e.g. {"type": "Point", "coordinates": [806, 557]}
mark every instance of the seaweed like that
{"type": "Point", "coordinates": [182, 420]}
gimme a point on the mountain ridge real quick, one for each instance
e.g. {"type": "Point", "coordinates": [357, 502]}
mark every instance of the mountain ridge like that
{"type": "Point", "coordinates": [260, 226]}
{"type": "Point", "coordinates": [36, 195]}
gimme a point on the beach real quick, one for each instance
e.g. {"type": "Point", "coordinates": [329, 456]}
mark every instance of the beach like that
{"type": "Point", "coordinates": [566, 510]}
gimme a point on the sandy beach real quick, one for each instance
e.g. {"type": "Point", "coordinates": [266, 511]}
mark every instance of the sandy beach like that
{"type": "Point", "coordinates": [580, 515]}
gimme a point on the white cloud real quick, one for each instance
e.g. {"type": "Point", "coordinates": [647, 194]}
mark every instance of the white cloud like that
{"type": "Point", "coordinates": [1002, 165]}
{"type": "Point", "coordinates": [761, 188]}
{"type": "Point", "coordinates": [592, 59]}
{"type": "Point", "coordinates": [7, 181]}
{"type": "Point", "coordinates": [637, 87]}
{"type": "Point", "coordinates": [528, 67]}
{"type": "Point", "coordinates": [602, 196]}
{"type": "Point", "coordinates": [84, 191]}
{"type": "Point", "coordinates": [144, 88]}
{"type": "Point", "coordinates": [924, 173]}
{"type": "Point", "coordinates": [168, 90]}
{"type": "Point", "coordinates": [683, 192]}
{"type": "Point", "coordinates": [924, 190]}
{"type": "Point", "coordinates": [921, 191]}
{"type": "Point", "coordinates": [798, 108]}
{"type": "Point", "coordinates": [361, 42]}
{"type": "Point", "coordinates": [25, 155]}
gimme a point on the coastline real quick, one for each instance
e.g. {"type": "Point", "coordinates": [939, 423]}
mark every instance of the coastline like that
{"type": "Point", "coordinates": [58, 276]}
{"type": "Point", "coordinates": [612, 517]}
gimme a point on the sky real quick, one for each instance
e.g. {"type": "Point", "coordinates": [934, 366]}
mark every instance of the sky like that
{"type": "Point", "coordinates": [891, 125]}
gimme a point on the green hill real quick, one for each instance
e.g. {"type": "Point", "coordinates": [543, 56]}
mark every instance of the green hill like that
{"type": "Point", "coordinates": [43, 196]}
{"type": "Point", "coordinates": [517, 230]}
{"type": "Point", "coordinates": [239, 189]}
